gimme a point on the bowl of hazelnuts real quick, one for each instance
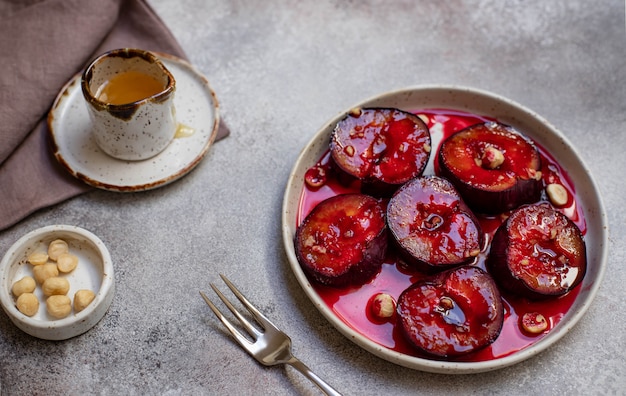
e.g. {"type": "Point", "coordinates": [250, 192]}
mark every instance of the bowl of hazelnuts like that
{"type": "Point", "coordinates": [57, 282]}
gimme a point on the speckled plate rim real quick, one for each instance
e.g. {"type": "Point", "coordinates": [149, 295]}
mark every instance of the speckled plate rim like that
{"type": "Point", "coordinates": [483, 103]}
{"type": "Point", "coordinates": [74, 148]}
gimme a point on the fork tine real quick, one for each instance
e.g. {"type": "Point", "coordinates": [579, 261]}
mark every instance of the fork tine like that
{"type": "Point", "coordinates": [262, 319]}
{"type": "Point", "coordinates": [240, 338]}
{"type": "Point", "coordinates": [244, 322]}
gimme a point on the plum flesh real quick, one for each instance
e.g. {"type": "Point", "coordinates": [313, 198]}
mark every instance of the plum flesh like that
{"type": "Point", "coordinates": [452, 313]}
{"type": "Point", "coordinates": [431, 225]}
{"type": "Point", "coordinates": [382, 147]}
{"type": "Point", "coordinates": [537, 253]}
{"type": "Point", "coordinates": [494, 167]}
{"type": "Point", "coordinates": [343, 240]}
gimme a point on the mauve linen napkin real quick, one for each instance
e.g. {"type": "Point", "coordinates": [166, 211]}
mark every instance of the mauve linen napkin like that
{"type": "Point", "coordinates": [43, 44]}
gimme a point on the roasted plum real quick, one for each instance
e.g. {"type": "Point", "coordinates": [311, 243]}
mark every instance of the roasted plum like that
{"type": "Point", "coordinates": [494, 167]}
{"type": "Point", "coordinates": [431, 225]}
{"type": "Point", "coordinates": [537, 252]}
{"type": "Point", "coordinates": [382, 147]}
{"type": "Point", "coordinates": [452, 313]}
{"type": "Point", "coordinates": [343, 240]}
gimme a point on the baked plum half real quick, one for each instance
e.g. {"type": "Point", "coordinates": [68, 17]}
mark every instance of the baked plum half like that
{"type": "Point", "coordinates": [537, 252]}
{"type": "Point", "coordinates": [382, 147]}
{"type": "Point", "coordinates": [343, 240]}
{"type": "Point", "coordinates": [452, 313]}
{"type": "Point", "coordinates": [494, 167]}
{"type": "Point", "coordinates": [431, 225]}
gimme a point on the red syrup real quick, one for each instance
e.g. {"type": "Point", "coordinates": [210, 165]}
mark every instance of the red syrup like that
{"type": "Point", "coordinates": [351, 304]}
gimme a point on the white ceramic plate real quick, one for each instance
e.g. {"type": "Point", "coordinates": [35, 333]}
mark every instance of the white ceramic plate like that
{"type": "Point", "coordinates": [480, 103]}
{"type": "Point", "coordinates": [73, 146]}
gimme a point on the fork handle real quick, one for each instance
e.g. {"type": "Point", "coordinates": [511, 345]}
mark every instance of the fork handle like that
{"type": "Point", "coordinates": [301, 367]}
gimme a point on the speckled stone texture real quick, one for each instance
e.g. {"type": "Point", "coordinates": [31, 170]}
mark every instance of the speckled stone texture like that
{"type": "Point", "coordinates": [280, 71]}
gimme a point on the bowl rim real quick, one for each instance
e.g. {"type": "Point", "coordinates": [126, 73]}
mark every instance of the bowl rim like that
{"type": "Point", "coordinates": [37, 327]}
{"type": "Point", "coordinates": [293, 188]}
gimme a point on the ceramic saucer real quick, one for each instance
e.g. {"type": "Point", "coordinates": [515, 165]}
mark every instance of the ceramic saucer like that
{"type": "Point", "coordinates": [74, 147]}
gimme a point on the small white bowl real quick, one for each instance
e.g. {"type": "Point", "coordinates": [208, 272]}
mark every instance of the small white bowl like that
{"type": "Point", "coordinates": [94, 272]}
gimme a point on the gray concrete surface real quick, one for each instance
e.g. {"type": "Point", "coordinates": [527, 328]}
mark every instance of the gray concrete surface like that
{"type": "Point", "coordinates": [280, 70]}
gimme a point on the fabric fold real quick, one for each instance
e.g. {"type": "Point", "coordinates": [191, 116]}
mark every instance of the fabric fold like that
{"type": "Point", "coordinates": [43, 45]}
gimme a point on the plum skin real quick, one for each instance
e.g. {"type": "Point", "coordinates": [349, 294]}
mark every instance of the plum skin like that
{"type": "Point", "coordinates": [537, 253]}
{"type": "Point", "coordinates": [327, 256]}
{"type": "Point", "coordinates": [505, 187]}
{"type": "Point", "coordinates": [383, 147]}
{"type": "Point", "coordinates": [455, 238]}
{"type": "Point", "coordinates": [452, 313]}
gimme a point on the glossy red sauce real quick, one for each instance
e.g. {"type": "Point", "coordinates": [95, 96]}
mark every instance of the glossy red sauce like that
{"type": "Point", "coordinates": [351, 304]}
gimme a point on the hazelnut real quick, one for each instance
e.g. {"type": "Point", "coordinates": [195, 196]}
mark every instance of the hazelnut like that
{"type": "Point", "coordinates": [473, 253]}
{"type": "Point", "coordinates": [383, 306]}
{"type": "Point", "coordinates": [55, 286]}
{"type": "Point", "coordinates": [28, 304]}
{"type": "Point", "coordinates": [492, 158]}
{"type": "Point", "coordinates": [59, 306]}
{"type": "Point", "coordinates": [82, 299]}
{"type": "Point", "coordinates": [37, 258]}
{"type": "Point", "coordinates": [67, 262]}
{"type": "Point", "coordinates": [45, 271]}
{"type": "Point", "coordinates": [24, 285]}
{"type": "Point", "coordinates": [557, 194]}
{"type": "Point", "coordinates": [534, 322]}
{"type": "Point", "coordinates": [57, 248]}
{"type": "Point", "coordinates": [355, 112]}
{"type": "Point", "coordinates": [315, 177]}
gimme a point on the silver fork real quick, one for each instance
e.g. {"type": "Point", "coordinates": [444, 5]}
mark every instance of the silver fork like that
{"type": "Point", "coordinates": [270, 346]}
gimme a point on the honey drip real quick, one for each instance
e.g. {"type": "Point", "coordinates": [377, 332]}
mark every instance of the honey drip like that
{"type": "Point", "coordinates": [183, 131]}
